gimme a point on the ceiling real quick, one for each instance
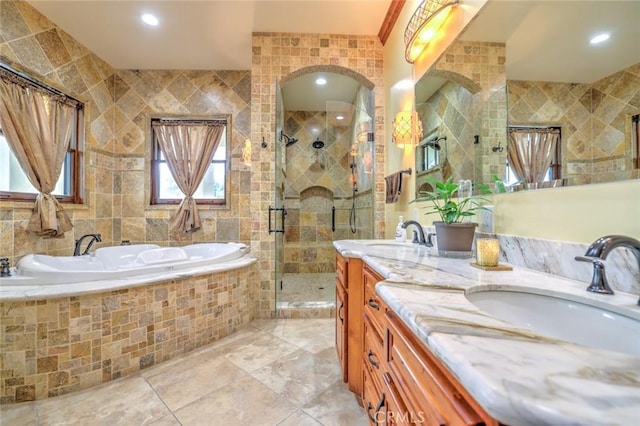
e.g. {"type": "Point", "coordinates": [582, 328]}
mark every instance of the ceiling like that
{"type": "Point", "coordinates": [549, 40]}
{"type": "Point", "coordinates": [209, 34]}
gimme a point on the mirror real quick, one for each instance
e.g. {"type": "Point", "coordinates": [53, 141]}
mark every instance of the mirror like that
{"type": "Point", "coordinates": [553, 77]}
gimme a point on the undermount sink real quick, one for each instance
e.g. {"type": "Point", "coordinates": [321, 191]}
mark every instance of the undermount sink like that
{"type": "Point", "coordinates": [556, 315]}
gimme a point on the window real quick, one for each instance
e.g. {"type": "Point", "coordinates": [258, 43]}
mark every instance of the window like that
{"type": "Point", "coordinates": [555, 168]}
{"type": "Point", "coordinates": [212, 189]}
{"type": "Point", "coordinates": [14, 184]}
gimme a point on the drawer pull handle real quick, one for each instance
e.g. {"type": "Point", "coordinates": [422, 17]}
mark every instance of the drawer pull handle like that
{"type": "Point", "coordinates": [340, 310]}
{"type": "Point", "coordinates": [369, 407]}
{"type": "Point", "coordinates": [377, 412]}
{"type": "Point", "coordinates": [373, 304]}
{"type": "Point", "coordinates": [372, 360]}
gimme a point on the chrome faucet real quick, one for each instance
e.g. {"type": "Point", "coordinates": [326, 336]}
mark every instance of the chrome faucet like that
{"type": "Point", "coordinates": [421, 239]}
{"type": "Point", "coordinates": [94, 238]}
{"type": "Point", "coordinates": [598, 251]}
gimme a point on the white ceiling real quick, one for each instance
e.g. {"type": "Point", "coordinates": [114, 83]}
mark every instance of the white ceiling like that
{"type": "Point", "coordinates": [205, 34]}
{"type": "Point", "coordinates": [549, 40]}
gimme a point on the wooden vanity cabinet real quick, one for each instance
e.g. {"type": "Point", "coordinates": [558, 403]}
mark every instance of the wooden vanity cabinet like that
{"type": "Point", "coordinates": [395, 376]}
{"type": "Point", "coordinates": [349, 333]}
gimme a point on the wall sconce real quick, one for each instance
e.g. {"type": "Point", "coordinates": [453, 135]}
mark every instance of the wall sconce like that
{"type": "Point", "coordinates": [424, 24]}
{"type": "Point", "coordinates": [407, 129]}
{"type": "Point", "coordinates": [246, 152]}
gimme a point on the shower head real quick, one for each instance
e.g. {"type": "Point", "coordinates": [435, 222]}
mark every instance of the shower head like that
{"type": "Point", "coordinates": [434, 143]}
{"type": "Point", "coordinates": [288, 141]}
{"type": "Point", "coordinates": [317, 144]}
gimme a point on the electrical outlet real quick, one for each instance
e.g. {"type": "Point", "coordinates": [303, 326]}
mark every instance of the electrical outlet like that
{"type": "Point", "coordinates": [485, 220]}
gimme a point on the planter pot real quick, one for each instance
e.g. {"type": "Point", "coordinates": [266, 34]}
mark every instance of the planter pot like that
{"type": "Point", "coordinates": [455, 236]}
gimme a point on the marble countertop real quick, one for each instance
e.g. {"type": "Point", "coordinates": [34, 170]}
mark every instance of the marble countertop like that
{"type": "Point", "coordinates": [516, 375]}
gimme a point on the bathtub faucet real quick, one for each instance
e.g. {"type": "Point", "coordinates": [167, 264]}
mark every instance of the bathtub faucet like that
{"type": "Point", "coordinates": [94, 238]}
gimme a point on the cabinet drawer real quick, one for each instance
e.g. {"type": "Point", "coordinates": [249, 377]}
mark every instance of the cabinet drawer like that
{"type": "Point", "coordinates": [373, 399]}
{"type": "Point", "coordinates": [373, 354]}
{"type": "Point", "coordinates": [374, 307]}
{"type": "Point", "coordinates": [426, 385]}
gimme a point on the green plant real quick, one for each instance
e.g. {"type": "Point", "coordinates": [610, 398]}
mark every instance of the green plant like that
{"type": "Point", "coordinates": [447, 204]}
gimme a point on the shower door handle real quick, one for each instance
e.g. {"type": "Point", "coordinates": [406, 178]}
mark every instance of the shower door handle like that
{"type": "Point", "coordinates": [333, 219]}
{"type": "Point", "coordinates": [284, 213]}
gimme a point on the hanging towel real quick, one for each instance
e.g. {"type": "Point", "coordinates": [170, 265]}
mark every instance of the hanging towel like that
{"type": "Point", "coordinates": [394, 187]}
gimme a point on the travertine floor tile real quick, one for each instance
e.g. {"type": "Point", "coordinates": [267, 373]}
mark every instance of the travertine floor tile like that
{"type": "Point", "coordinates": [255, 352]}
{"type": "Point", "coordinates": [18, 414]}
{"type": "Point", "coordinates": [299, 376]}
{"type": "Point", "coordinates": [244, 402]}
{"type": "Point", "coordinates": [178, 387]}
{"type": "Point", "coordinates": [313, 335]}
{"type": "Point", "coordinates": [299, 418]}
{"type": "Point", "coordinates": [128, 401]}
{"type": "Point", "coordinates": [168, 420]}
{"type": "Point", "coordinates": [337, 406]}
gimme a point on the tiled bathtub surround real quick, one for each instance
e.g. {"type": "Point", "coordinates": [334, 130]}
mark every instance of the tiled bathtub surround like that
{"type": "Point", "coordinates": [557, 257]}
{"type": "Point", "coordinates": [60, 345]}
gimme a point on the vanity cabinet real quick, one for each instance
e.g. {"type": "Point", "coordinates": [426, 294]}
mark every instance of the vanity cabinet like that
{"type": "Point", "coordinates": [395, 376]}
{"type": "Point", "coordinates": [349, 321]}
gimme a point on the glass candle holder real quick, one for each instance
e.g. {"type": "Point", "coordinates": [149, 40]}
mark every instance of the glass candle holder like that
{"type": "Point", "coordinates": [487, 251]}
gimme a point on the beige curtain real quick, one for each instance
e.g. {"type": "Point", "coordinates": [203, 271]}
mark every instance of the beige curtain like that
{"type": "Point", "coordinates": [188, 148]}
{"type": "Point", "coordinates": [530, 152]}
{"type": "Point", "coordinates": [38, 128]}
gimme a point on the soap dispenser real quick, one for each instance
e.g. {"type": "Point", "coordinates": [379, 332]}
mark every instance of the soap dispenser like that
{"type": "Point", "coordinates": [401, 233]}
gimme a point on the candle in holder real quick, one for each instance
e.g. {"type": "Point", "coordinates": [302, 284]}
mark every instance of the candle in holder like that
{"type": "Point", "coordinates": [487, 251]}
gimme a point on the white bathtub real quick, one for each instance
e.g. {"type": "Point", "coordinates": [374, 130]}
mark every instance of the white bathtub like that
{"type": "Point", "coordinates": [117, 262]}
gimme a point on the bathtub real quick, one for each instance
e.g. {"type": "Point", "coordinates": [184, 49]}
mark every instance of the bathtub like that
{"type": "Point", "coordinates": [120, 262]}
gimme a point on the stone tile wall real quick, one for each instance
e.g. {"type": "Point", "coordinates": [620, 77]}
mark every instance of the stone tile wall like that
{"type": "Point", "coordinates": [473, 102]}
{"type": "Point", "coordinates": [595, 121]}
{"type": "Point", "coordinates": [117, 148]}
{"type": "Point", "coordinates": [31, 42]}
{"type": "Point", "coordinates": [56, 346]}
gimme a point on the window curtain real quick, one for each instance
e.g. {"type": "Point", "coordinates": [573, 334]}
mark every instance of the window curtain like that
{"type": "Point", "coordinates": [530, 152]}
{"type": "Point", "coordinates": [188, 148]}
{"type": "Point", "coordinates": [38, 128]}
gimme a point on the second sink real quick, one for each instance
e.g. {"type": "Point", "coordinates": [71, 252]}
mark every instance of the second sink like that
{"type": "Point", "coordinates": [556, 315]}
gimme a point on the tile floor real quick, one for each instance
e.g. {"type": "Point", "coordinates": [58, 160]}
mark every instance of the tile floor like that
{"type": "Point", "coordinates": [273, 372]}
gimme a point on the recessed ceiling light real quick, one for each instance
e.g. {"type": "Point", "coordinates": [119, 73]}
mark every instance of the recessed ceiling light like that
{"type": "Point", "coordinates": [339, 117]}
{"type": "Point", "coordinates": [149, 19]}
{"type": "Point", "coordinates": [599, 38]}
{"type": "Point", "coordinates": [321, 81]}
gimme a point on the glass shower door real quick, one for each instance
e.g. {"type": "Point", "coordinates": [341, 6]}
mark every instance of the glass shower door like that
{"type": "Point", "coordinates": [277, 212]}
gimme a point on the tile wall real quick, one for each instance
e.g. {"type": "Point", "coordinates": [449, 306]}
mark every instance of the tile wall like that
{"type": "Point", "coordinates": [472, 102]}
{"type": "Point", "coordinates": [595, 120]}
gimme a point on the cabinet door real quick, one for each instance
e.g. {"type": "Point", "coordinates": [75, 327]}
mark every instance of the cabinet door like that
{"type": "Point", "coordinates": [341, 329]}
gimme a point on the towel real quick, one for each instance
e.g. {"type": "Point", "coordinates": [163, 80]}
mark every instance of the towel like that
{"type": "Point", "coordinates": [394, 187]}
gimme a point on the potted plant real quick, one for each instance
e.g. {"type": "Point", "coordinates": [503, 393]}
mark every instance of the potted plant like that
{"type": "Point", "coordinates": [452, 234]}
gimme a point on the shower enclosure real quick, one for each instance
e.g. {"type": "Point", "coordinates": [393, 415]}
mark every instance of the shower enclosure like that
{"type": "Point", "coordinates": [323, 191]}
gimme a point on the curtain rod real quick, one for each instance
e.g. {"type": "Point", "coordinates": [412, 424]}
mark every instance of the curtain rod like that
{"type": "Point", "coordinates": [25, 78]}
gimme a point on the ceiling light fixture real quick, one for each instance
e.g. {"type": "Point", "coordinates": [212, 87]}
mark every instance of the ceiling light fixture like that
{"type": "Point", "coordinates": [424, 25]}
{"type": "Point", "coordinates": [321, 81]}
{"type": "Point", "coordinates": [599, 38]}
{"type": "Point", "coordinates": [149, 19]}
{"type": "Point", "coordinates": [339, 117]}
